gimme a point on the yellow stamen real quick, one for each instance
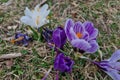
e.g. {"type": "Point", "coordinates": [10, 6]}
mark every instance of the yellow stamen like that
{"type": "Point", "coordinates": [12, 41]}
{"type": "Point", "coordinates": [37, 20]}
{"type": "Point", "coordinates": [79, 35]}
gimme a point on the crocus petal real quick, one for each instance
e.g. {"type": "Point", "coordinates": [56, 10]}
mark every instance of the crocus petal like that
{"type": "Point", "coordinates": [115, 65]}
{"type": "Point", "coordinates": [42, 22]}
{"type": "Point", "coordinates": [70, 63]}
{"type": "Point", "coordinates": [63, 36]}
{"type": "Point", "coordinates": [44, 7]}
{"type": "Point", "coordinates": [26, 37]}
{"type": "Point", "coordinates": [27, 20]}
{"type": "Point", "coordinates": [72, 34]}
{"type": "Point", "coordinates": [28, 12]}
{"type": "Point", "coordinates": [81, 44]}
{"type": "Point", "coordinates": [59, 63]}
{"type": "Point", "coordinates": [113, 74]}
{"type": "Point", "coordinates": [78, 27]}
{"type": "Point", "coordinates": [94, 34]}
{"type": "Point", "coordinates": [44, 10]}
{"type": "Point", "coordinates": [37, 8]}
{"type": "Point", "coordinates": [94, 47]}
{"type": "Point", "coordinates": [46, 13]}
{"type": "Point", "coordinates": [63, 68]}
{"type": "Point", "coordinates": [57, 38]}
{"type": "Point", "coordinates": [18, 34]}
{"type": "Point", "coordinates": [86, 36]}
{"type": "Point", "coordinates": [115, 56]}
{"type": "Point", "coordinates": [62, 63]}
{"type": "Point", "coordinates": [25, 42]}
{"type": "Point", "coordinates": [69, 23]}
{"type": "Point", "coordinates": [89, 27]}
{"type": "Point", "coordinates": [56, 62]}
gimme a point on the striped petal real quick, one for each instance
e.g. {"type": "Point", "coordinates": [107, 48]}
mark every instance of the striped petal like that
{"type": "Point", "coordinates": [81, 44]}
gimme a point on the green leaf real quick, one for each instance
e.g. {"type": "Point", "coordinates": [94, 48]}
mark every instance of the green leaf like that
{"type": "Point", "coordinates": [35, 34]}
{"type": "Point", "coordinates": [41, 37]}
{"type": "Point", "coordinates": [20, 72]}
{"type": "Point", "coordinates": [0, 40]}
{"type": "Point", "coordinates": [3, 1]}
{"type": "Point", "coordinates": [24, 51]}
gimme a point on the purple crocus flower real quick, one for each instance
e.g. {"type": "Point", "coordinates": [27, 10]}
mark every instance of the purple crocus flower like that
{"type": "Point", "coordinates": [62, 63]}
{"type": "Point", "coordinates": [56, 37]}
{"type": "Point", "coordinates": [21, 38]}
{"type": "Point", "coordinates": [82, 35]}
{"type": "Point", "coordinates": [59, 37]}
{"type": "Point", "coordinates": [111, 66]}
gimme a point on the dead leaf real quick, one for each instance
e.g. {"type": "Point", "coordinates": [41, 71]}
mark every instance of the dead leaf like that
{"type": "Point", "coordinates": [9, 63]}
{"type": "Point", "coordinates": [11, 55]}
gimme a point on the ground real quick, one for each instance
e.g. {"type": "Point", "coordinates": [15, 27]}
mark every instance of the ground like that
{"type": "Point", "coordinates": [37, 58]}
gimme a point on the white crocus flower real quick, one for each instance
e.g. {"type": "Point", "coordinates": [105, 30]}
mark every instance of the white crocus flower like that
{"type": "Point", "coordinates": [37, 17]}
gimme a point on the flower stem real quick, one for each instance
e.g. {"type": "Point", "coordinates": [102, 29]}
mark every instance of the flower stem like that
{"type": "Point", "coordinates": [61, 50]}
{"type": "Point", "coordinates": [57, 75]}
{"type": "Point", "coordinates": [86, 58]}
{"type": "Point", "coordinates": [40, 38]}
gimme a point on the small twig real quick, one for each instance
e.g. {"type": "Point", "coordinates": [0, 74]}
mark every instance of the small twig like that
{"type": "Point", "coordinates": [61, 50]}
{"type": "Point", "coordinates": [114, 46]}
{"type": "Point", "coordinates": [43, 1]}
{"type": "Point", "coordinates": [44, 78]}
{"type": "Point", "coordinates": [86, 58]}
{"type": "Point", "coordinates": [11, 55]}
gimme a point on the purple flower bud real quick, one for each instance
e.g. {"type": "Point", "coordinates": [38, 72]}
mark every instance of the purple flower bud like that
{"type": "Point", "coordinates": [59, 37]}
{"type": "Point", "coordinates": [62, 63]}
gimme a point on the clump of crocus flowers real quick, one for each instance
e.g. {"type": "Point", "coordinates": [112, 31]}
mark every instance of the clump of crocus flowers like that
{"type": "Point", "coordinates": [82, 36]}
{"type": "Point", "coordinates": [57, 41]}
